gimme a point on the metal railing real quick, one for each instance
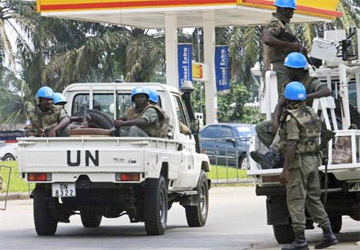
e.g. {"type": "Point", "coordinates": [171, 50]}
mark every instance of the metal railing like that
{"type": "Point", "coordinates": [229, 158]}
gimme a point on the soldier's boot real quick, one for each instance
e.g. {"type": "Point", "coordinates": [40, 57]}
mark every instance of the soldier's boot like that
{"type": "Point", "coordinates": [300, 243]}
{"type": "Point", "coordinates": [267, 160]}
{"type": "Point", "coordinates": [328, 240]}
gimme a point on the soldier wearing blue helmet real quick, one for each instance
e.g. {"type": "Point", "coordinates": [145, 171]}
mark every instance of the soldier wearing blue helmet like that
{"type": "Point", "coordinates": [47, 119]}
{"type": "Point", "coordinates": [59, 99]}
{"type": "Point", "coordinates": [300, 129]}
{"type": "Point", "coordinates": [279, 40]}
{"type": "Point", "coordinates": [144, 119]}
{"type": "Point", "coordinates": [296, 70]}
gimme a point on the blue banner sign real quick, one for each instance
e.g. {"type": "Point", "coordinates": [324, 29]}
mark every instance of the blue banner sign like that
{"type": "Point", "coordinates": [222, 70]}
{"type": "Point", "coordinates": [184, 63]}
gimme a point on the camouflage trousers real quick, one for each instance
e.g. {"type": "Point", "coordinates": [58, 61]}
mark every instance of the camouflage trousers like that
{"type": "Point", "coordinates": [303, 191]}
{"type": "Point", "coordinates": [133, 131]}
{"type": "Point", "coordinates": [280, 70]}
{"type": "Point", "coordinates": [263, 131]}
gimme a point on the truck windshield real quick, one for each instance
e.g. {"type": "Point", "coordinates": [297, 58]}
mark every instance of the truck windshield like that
{"type": "Point", "coordinates": [104, 103]}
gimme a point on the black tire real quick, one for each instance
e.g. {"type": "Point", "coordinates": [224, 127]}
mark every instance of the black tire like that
{"type": "Point", "coordinates": [196, 216]}
{"type": "Point", "coordinates": [336, 223]}
{"type": "Point", "coordinates": [98, 119]}
{"type": "Point", "coordinates": [243, 163]}
{"type": "Point", "coordinates": [8, 157]}
{"type": "Point", "coordinates": [90, 218]}
{"type": "Point", "coordinates": [45, 223]}
{"type": "Point", "coordinates": [155, 206]}
{"type": "Point", "coordinates": [283, 233]}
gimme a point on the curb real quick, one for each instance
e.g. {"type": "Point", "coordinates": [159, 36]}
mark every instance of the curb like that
{"type": "Point", "coordinates": [15, 196]}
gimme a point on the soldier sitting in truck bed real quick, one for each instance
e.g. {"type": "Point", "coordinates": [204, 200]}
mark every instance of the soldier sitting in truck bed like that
{"type": "Point", "coordinates": [47, 119]}
{"type": "Point", "coordinates": [143, 120]}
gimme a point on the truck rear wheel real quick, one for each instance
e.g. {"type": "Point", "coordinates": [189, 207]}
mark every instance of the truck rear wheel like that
{"type": "Point", "coordinates": [45, 223]}
{"type": "Point", "coordinates": [196, 216]}
{"type": "Point", "coordinates": [283, 233]}
{"type": "Point", "coordinates": [90, 218]}
{"type": "Point", "coordinates": [155, 206]}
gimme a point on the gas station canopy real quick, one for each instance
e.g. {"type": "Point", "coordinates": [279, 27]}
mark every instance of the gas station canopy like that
{"type": "Point", "coordinates": [189, 13]}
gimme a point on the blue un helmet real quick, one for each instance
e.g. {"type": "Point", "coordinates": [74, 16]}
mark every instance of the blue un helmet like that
{"type": "Point", "coordinates": [45, 92]}
{"type": "Point", "coordinates": [295, 91]}
{"type": "Point", "coordinates": [286, 4]}
{"type": "Point", "coordinates": [296, 60]}
{"type": "Point", "coordinates": [153, 96]}
{"type": "Point", "coordinates": [59, 98]}
{"type": "Point", "coordinates": [139, 90]}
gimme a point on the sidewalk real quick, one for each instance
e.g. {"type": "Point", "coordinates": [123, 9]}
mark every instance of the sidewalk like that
{"type": "Point", "coordinates": [15, 196]}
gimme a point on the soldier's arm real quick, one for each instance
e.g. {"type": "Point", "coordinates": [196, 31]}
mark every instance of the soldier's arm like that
{"type": "Point", "coordinates": [292, 137]}
{"type": "Point", "coordinates": [62, 124]}
{"type": "Point", "coordinates": [322, 91]}
{"type": "Point", "coordinates": [270, 40]}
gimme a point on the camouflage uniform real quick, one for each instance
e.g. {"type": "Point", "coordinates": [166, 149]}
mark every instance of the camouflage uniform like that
{"type": "Point", "coordinates": [302, 124]}
{"type": "Point", "coordinates": [263, 129]}
{"type": "Point", "coordinates": [154, 117]}
{"type": "Point", "coordinates": [45, 121]}
{"type": "Point", "coordinates": [280, 29]}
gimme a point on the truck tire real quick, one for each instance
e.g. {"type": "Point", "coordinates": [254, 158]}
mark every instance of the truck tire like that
{"type": "Point", "coordinates": [45, 223]}
{"type": "Point", "coordinates": [196, 216]}
{"type": "Point", "coordinates": [155, 206]}
{"type": "Point", "coordinates": [8, 157]}
{"type": "Point", "coordinates": [90, 218]}
{"type": "Point", "coordinates": [336, 223]}
{"type": "Point", "coordinates": [98, 119]}
{"type": "Point", "coordinates": [283, 233]}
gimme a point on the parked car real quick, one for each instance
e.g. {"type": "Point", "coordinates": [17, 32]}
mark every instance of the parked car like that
{"type": "Point", "coordinates": [227, 144]}
{"type": "Point", "coordinates": [8, 151]}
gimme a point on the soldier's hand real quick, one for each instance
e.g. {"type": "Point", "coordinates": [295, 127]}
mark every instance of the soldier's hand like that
{"type": "Point", "coordinates": [118, 123]}
{"type": "Point", "coordinates": [284, 176]}
{"type": "Point", "coordinates": [52, 133]}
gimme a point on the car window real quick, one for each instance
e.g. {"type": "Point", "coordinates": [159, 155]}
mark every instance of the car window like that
{"type": "Point", "coordinates": [224, 132]}
{"type": "Point", "coordinates": [209, 132]}
{"type": "Point", "coordinates": [245, 131]}
{"type": "Point", "coordinates": [180, 111]}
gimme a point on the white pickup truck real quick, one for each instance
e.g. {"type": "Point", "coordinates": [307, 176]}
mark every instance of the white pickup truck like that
{"type": "Point", "coordinates": [340, 180]}
{"type": "Point", "coordinates": [105, 175]}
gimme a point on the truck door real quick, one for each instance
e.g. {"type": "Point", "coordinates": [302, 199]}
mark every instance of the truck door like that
{"type": "Point", "coordinates": [187, 144]}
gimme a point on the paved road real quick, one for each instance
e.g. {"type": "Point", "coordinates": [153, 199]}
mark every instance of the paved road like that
{"type": "Point", "coordinates": [237, 220]}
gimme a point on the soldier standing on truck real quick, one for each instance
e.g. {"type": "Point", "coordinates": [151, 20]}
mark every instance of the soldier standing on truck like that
{"type": "Point", "coordinates": [296, 70]}
{"type": "Point", "coordinates": [144, 119]}
{"type": "Point", "coordinates": [299, 137]}
{"type": "Point", "coordinates": [47, 119]}
{"type": "Point", "coordinates": [279, 40]}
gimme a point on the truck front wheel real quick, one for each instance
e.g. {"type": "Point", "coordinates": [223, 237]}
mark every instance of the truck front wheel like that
{"type": "Point", "coordinates": [155, 206]}
{"type": "Point", "coordinates": [90, 218]}
{"type": "Point", "coordinates": [283, 233]}
{"type": "Point", "coordinates": [45, 223]}
{"type": "Point", "coordinates": [196, 216]}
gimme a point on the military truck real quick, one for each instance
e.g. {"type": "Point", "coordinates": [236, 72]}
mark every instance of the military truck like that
{"type": "Point", "coordinates": [97, 174]}
{"type": "Point", "coordinates": [340, 178]}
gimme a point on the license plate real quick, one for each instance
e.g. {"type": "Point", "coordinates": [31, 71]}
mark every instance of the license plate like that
{"type": "Point", "coordinates": [354, 186]}
{"type": "Point", "coordinates": [63, 190]}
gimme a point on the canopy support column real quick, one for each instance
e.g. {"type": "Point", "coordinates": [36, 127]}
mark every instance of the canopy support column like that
{"type": "Point", "coordinates": [171, 50]}
{"type": "Point", "coordinates": [209, 59]}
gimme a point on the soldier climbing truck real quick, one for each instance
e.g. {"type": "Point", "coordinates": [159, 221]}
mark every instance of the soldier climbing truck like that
{"type": "Point", "coordinates": [96, 173]}
{"type": "Point", "coordinates": [340, 172]}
